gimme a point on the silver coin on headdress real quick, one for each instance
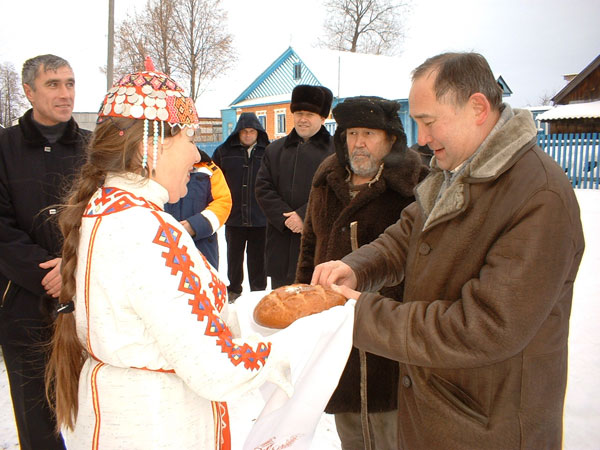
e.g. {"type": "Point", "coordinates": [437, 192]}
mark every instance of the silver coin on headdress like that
{"type": "Point", "coordinates": [130, 90]}
{"type": "Point", "coordinates": [161, 103]}
{"type": "Point", "coordinates": [146, 89]}
{"type": "Point", "coordinates": [137, 111]}
{"type": "Point", "coordinates": [126, 109]}
{"type": "Point", "coordinates": [149, 101]}
{"type": "Point", "coordinates": [113, 89]}
{"type": "Point", "coordinates": [107, 108]}
{"type": "Point", "coordinates": [122, 90]}
{"type": "Point", "coordinates": [162, 114]}
{"type": "Point", "coordinates": [118, 108]}
{"type": "Point", "coordinates": [120, 98]}
{"type": "Point", "coordinates": [150, 113]}
{"type": "Point", "coordinates": [132, 98]}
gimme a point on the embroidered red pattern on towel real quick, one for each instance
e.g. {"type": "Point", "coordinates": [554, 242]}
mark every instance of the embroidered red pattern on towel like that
{"type": "Point", "coordinates": [179, 261]}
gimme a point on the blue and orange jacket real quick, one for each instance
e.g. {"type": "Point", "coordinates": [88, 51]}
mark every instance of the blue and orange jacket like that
{"type": "Point", "coordinates": [206, 206]}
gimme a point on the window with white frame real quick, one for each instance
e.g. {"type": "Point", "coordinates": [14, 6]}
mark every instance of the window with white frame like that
{"type": "Point", "coordinates": [280, 122]}
{"type": "Point", "coordinates": [262, 118]}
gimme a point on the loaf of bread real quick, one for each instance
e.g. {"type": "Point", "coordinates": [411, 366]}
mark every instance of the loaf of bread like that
{"type": "Point", "coordinates": [286, 304]}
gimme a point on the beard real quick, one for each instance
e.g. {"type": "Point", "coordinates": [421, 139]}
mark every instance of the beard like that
{"type": "Point", "coordinates": [363, 164]}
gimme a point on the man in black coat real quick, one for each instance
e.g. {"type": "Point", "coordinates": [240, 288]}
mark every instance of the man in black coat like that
{"type": "Point", "coordinates": [239, 157]}
{"type": "Point", "coordinates": [37, 158]}
{"type": "Point", "coordinates": [285, 176]}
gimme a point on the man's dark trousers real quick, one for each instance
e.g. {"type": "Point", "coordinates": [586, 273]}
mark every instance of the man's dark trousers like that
{"type": "Point", "coordinates": [252, 240]}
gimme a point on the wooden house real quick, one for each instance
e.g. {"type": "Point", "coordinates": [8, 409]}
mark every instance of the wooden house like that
{"type": "Point", "coordinates": [346, 74]}
{"type": "Point", "coordinates": [577, 106]}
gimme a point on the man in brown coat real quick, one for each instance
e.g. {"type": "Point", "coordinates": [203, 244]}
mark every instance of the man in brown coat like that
{"type": "Point", "coordinates": [488, 254]}
{"type": "Point", "coordinates": [364, 185]}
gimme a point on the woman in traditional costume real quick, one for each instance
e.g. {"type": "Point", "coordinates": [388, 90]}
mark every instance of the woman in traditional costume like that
{"type": "Point", "coordinates": [142, 356]}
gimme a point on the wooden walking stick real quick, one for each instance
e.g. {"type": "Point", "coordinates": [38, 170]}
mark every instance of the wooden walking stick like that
{"type": "Point", "coordinates": [364, 418]}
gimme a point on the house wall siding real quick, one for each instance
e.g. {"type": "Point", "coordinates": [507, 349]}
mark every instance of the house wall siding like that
{"type": "Point", "coordinates": [587, 90]}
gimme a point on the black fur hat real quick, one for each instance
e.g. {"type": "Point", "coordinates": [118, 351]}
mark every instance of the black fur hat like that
{"type": "Point", "coordinates": [316, 99]}
{"type": "Point", "coordinates": [368, 112]}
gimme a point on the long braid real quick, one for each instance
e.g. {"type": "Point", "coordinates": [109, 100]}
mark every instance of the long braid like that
{"type": "Point", "coordinates": [111, 150]}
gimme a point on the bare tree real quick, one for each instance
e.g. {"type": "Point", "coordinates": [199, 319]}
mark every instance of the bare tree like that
{"type": "Point", "coordinates": [545, 99]}
{"type": "Point", "coordinates": [185, 38]}
{"type": "Point", "coordinates": [160, 27]}
{"type": "Point", "coordinates": [205, 49]}
{"type": "Point", "coordinates": [151, 32]}
{"type": "Point", "coordinates": [365, 26]}
{"type": "Point", "coordinates": [131, 46]}
{"type": "Point", "coordinates": [12, 99]}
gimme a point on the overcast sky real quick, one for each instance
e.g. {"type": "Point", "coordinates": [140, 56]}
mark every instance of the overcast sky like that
{"type": "Point", "coordinates": [531, 43]}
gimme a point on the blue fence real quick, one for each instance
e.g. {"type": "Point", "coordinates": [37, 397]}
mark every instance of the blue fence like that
{"type": "Point", "coordinates": [577, 154]}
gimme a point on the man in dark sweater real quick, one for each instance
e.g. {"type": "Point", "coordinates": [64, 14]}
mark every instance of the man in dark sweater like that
{"type": "Point", "coordinates": [37, 158]}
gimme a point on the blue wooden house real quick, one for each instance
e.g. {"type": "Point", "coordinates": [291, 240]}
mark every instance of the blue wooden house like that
{"type": "Point", "coordinates": [346, 74]}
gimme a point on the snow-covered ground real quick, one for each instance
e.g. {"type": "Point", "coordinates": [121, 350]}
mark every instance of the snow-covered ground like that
{"type": "Point", "coordinates": [582, 408]}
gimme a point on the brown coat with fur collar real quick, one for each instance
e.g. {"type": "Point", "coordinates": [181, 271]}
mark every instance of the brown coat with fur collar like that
{"type": "Point", "coordinates": [326, 236]}
{"type": "Point", "coordinates": [488, 273]}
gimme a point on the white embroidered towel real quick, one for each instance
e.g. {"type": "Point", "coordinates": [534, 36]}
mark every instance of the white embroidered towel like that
{"type": "Point", "coordinates": [319, 346]}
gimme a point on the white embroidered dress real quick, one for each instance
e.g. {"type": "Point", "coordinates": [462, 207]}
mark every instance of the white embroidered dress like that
{"type": "Point", "coordinates": [149, 311]}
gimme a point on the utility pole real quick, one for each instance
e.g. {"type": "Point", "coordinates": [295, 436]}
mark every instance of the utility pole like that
{"type": "Point", "coordinates": [111, 44]}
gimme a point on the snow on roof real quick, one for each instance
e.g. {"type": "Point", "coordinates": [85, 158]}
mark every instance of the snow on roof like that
{"type": "Point", "coordinates": [587, 110]}
{"type": "Point", "coordinates": [350, 74]}
{"type": "Point", "coordinates": [347, 74]}
{"type": "Point", "coordinates": [281, 98]}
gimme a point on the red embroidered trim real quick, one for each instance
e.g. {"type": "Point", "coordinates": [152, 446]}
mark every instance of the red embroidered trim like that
{"type": "Point", "coordinates": [96, 403]}
{"type": "Point", "coordinates": [222, 427]}
{"type": "Point", "coordinates": [179, 261]}
{"type": "Point", "coordinates": [113, 200]}
{"type": "Point", "coordinates": [87, 281]}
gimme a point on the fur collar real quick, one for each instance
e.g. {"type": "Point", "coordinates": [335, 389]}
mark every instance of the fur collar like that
{"type": "Point", "coordinates": [321, 137]}
{"type": "Point", "coordinates": [401, 177]}
{"type": "Point", "coordinates": [33, 136]}
{"type": "Point", "coordinates": [497, 154]}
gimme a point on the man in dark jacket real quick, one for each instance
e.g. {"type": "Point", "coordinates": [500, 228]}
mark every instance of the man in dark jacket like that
{"type": "Point", "coordinates": [37, 159]}
{"type": "Point", "coordinates": [284, 179]}
{"type": "Point", "coordinates": [240, 157]}
{"type": "Point", "coordinates": [488, 254]}
{"type": "Point", "coordinates": [356, 194]}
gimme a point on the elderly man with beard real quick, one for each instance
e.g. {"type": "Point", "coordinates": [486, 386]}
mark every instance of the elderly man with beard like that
{"type": "Point", "coordinates": [356, 194]}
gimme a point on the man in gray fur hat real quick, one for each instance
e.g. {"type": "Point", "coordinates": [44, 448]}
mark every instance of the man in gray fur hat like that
{"type": "Point", "coordinates": [356, 194]}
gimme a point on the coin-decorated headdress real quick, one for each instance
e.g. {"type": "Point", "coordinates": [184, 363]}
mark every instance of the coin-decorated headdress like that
{"type": "Point", "coordinates": [151, 96]}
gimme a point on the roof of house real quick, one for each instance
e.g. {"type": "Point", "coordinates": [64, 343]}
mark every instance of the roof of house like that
{"type": "Point", "coordinates": [587, 110]}
{"type": "Point", "coordinates": [575, 81]}
{"type": "Point", "coordinates": [347, 74]}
